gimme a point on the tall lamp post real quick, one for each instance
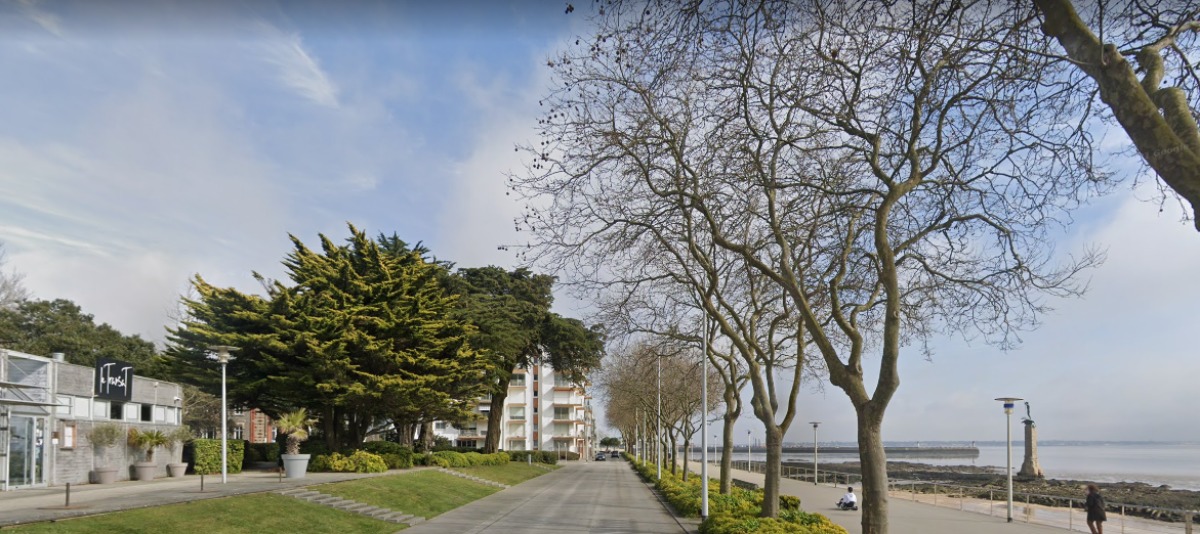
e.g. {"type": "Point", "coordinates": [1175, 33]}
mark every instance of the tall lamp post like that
{"type": "Point", "coordinates": [815, 424]}
{"type": "Point", "coordinates": [658, 433]}
{"type": "Point", "coordinates": [222, 356]}
{"type": "Point", "coordinates": [704, 426]}
{"type": "Point", "coordinates": [749, 465]}
{"type": "Point", "coordinates": [1008, 409]}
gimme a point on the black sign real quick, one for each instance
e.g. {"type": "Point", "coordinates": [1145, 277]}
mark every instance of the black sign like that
{"type": "Point", "coordinates": [114, 380]}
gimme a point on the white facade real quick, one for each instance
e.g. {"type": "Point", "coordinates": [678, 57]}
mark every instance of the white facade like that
{"type": "Point", "coordinates": [544, 410]}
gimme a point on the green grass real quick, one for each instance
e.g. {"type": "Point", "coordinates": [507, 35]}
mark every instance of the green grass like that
{"type": "Point", "coordinates": [263, 512]}
{"type": "Point", "coordinates": [425, 493]}
{"type": "Point", "coordinates": [511, 474]}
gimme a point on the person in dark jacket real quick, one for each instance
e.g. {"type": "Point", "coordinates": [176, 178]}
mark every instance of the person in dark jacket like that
{"type": "Point", "coordinates": [1095, 510]}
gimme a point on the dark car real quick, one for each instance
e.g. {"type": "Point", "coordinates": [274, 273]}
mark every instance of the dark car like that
{"type": "Point", "coordinates": [600, 457]}
{"type": "Point", "coordinates": [615, 454]}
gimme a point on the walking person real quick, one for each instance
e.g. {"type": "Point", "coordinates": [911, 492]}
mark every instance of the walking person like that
{"type": "Point", "coordinates": [1095, 510]}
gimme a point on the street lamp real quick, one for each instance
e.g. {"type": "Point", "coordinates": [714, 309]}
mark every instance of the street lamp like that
{"type": "Point", "coordinates": [815, 424]}
{"type": "Point", "coordinates": [704, 427]}
{"type": "Point", "coordinates": [658, 433]}
{"type": "Point", "coordinates": [749, 465]}
{"type": "Point", "coordinates": [1008, 409]}
{"type": "Point", "coordinates": [222, 356]}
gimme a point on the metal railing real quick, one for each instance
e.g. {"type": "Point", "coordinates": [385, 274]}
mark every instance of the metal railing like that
{"type": "Point", "coordinates": [1033, 508]}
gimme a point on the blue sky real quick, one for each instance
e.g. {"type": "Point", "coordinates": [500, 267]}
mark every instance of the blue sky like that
{"type": "Point", "coordinates": [142, 142]}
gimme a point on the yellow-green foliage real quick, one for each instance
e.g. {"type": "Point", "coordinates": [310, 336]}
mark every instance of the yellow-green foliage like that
{"type": "Point", "coordinates": [359, 462]}
{"type": "Point", "coordinates": [736, 513]}
{"type": "Point", "coordinates": [467, 459]}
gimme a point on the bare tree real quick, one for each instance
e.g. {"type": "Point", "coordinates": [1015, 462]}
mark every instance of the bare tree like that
{"type": "Point", "coordinates": [12, 287]}
{"type": "Point", "coordinates": [875, 173]}
{"type": "Point", "coordinates": [1157, 111]}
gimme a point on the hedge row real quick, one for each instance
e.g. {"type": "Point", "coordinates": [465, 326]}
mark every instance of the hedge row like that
{"type": "Point", "coordinates": [466, 459]}
{"type": "Point", "coordinates": [544, 457]}
{"type": "Point", "coordinates": [204, 455]}
{"type": "Point", "coordinates": [736, 513]}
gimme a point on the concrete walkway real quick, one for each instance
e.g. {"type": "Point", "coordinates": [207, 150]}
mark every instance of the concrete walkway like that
{"type": "Point", "coordinates": [905, 517]}
{"type": "Point", "coordinates": [581, 497]}
{"type": "Point", "coordinates": [45, 504]}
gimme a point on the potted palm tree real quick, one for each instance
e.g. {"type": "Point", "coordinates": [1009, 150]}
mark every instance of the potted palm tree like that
{"type": "Point", "coordinates": [295, 426]}
{"type": "Point", "coordinates": [103, 436]}
{"type": "Point", "coordinates": [176, 437]}
{"type": "Point", "coordinates": [147, 440]}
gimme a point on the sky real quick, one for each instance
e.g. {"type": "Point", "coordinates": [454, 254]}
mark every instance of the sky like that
{"type": "Point", "coordinates": [145, 142]}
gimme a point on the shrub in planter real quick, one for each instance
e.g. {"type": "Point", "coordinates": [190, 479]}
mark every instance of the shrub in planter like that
{"type": "Point", "coordinates": [103, 436]}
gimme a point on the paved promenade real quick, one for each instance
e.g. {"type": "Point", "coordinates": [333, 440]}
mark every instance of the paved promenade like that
{"type": "Point", "coordinates": [44, 504]}
{"type": "Point", "coordinates": [905, 517]}
{"type": "Point", "coordinates": [592, 497]}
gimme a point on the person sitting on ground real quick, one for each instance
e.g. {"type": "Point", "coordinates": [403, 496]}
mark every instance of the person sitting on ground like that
{"type": "Point", "coordinates": [849, 500]}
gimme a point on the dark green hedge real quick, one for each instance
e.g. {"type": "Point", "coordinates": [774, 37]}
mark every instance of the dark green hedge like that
{"type": "Point", "coordinates": [544, 457]}
{"type": "Point", "coordinates": [261, 452]}
{"type": "Point", "coordinates": [204, 455]}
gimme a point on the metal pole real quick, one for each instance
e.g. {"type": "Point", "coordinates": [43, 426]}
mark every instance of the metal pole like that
{"type": "Point", "coordinates": [749, 461]}
{"type": "Point", "coordinates": [704, 427]}
{"type": "Point", "coordinates": [658, 432]}
{"type": "Point", "coordinates": [1008, 409]}
{"type": "Point", "coordinates": [224, 436]}
{"type": "Point", "coordinates": [815, 424]}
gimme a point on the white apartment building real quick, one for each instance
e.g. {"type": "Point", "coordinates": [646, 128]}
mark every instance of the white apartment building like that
{"type": "Point", "coordinates": [544, 410]}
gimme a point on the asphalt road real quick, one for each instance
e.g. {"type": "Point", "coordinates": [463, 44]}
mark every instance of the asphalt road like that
{"type": "Point", "coordinates": [593, 497]}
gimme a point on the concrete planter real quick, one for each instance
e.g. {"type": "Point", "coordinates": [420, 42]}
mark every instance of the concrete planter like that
{"type": "Point", "coordinates": [106, 475]}
{"type": "Point", "coordinates": [295, 465]}
{"type": "Point", "coordinates": [145, 470]}
{"type": "Point", "coordinates": [176, 470]}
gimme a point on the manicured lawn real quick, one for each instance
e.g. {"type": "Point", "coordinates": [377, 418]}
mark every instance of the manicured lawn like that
{"type": "Point", "coordinates": [264, 512]}
{"type": "Point", "coordinates": [511, 474]}
{"type": "Point", "coordinates": [426, 493]}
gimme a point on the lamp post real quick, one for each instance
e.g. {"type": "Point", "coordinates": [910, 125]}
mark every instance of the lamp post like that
{"type": "Point", "coordinates": [749, 465]}
{"type": "Point", "coordinates": [658, 432]}
{"type": "Point", "coordinates": [815, 424]}
{"type": "Point", "coordinates": [223, 358]}
{"type": "Point", "coordinates": [1008, 409]}
{"type": "Point", "coordinates": [704, 427]}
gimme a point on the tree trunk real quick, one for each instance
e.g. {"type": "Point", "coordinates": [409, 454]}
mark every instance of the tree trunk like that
{"type": "Point", "coordinates": [674, 451]}
{"type": "Point", "coordinates": [874, 471]}
{"type": "Point", "coordinates": [427, 435]}
{"type": "Point", "coordinates": [686, 452]}
{"type": "Point", "coordinates": [727, 455]}
{"type": "Point", "coordinates": [330, 423]}
{"type": "Point", "coordinates": [404, 433]}
{"type": "Point", "coordinates": [491, 442]}
{"type": "Point", "coordinates": [770, 506]}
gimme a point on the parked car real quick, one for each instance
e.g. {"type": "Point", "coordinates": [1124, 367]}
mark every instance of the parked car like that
{"type": "Point", "coordinates": [601, 457]}
{"type": "Point", "coordinates": [615, 454]}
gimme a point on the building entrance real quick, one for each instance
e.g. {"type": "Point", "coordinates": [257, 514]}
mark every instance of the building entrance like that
{"type": "Point", "coordinates": [26, 452]}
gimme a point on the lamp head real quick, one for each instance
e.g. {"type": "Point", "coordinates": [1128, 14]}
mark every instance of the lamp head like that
{"type": "Point", "coordinates": [1008, 403]}
{"type": "Point", "coordinates": [222, 353]}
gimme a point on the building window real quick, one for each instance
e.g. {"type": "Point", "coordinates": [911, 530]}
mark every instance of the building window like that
{"type": "Point", "coordinates": [562, 413]}
{"type": "Point", "coordinates": [238, 410]}
{"type": "Point", "coordinates": [517, 381]}
{"type": "Point", "coordinates": [82, 406]}
{"type": "Point", "coordinates": [147, 412]}
{"type": "Point", "coordinates": [117, 411]}
{"type": "Point", "coordinates": [237, 434]}
{"type": "Point", "coordinates": [65, 404]}
{"type": "Point", "coordinates": [100, 410]}
{"type": "Point", "coordinates": [439, 425]}
{"type": "Point", "coordinates": [68, 436]}
{"type": "Point", "coordinates": [160, 414]}
{"type": "Point", "coordinates": [133, 411]}
{"type": "Point", "coordinates": [516, 413]}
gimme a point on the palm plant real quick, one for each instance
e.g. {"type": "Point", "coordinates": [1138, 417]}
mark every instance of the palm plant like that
{"type": "Point", "coordinates": [295, 425]}
{"type": "Point", "coordinates": [148, 440]}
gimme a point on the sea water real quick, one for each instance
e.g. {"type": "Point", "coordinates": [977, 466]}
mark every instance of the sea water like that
{"type": "Point", "coordinates": [1173, 464]}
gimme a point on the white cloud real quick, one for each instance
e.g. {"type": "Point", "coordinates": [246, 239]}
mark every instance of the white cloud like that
{"type": "Point", "coordinates": [298, 70]}
{"type": "Point", "coordinates": [48, 21]}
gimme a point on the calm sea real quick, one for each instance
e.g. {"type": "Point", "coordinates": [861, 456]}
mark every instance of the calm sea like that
{"type": "Point", "coordinates": [1174, 464]}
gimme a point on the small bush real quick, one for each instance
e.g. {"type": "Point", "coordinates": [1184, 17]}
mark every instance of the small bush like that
{"type": "Point", "coordinates": [359, 462]}
{"type": "Point", "coordinates": [449, 459]}
{"type": "Point", "coordinates": [395, 455]}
